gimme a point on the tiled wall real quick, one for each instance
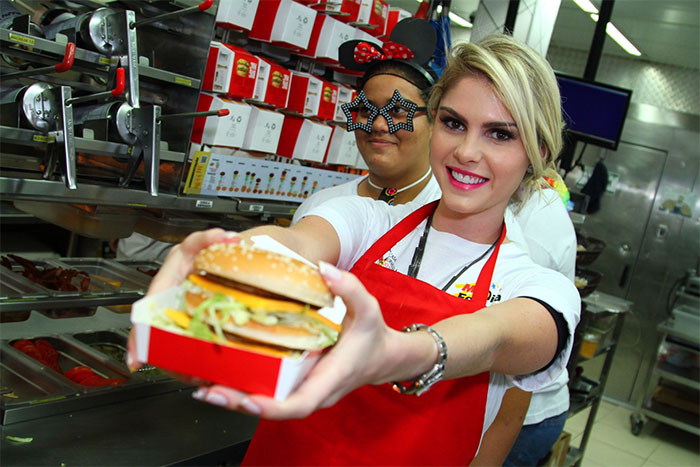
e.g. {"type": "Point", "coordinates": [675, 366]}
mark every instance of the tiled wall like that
{"type": "Point", "coordinates": [665, 86]}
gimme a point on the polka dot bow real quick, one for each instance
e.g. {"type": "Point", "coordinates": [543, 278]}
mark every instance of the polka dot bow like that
{"type": "Point", "coordinates": [366, 52]}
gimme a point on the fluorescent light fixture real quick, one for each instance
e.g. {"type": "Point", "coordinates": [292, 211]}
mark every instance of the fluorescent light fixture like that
{"type": "Point", "coordinates": [610, 28]}
{"type": "Point", "coordinates": [586, 6]}
{"type": "Point", "coordinates": [458, 20]}
{"type": "Point", "coordinates": [618, 37]}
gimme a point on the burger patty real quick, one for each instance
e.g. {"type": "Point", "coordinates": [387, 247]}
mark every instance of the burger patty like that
{"type": "Point", "coordinates": [249, 288]}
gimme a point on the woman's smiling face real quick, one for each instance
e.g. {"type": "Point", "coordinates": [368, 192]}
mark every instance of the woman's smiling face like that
{"type": "Point", "coordinates": [477, 155]}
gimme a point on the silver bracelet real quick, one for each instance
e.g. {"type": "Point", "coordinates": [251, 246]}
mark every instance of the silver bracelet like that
{"type": "Point", "coordinates": [432, 376]}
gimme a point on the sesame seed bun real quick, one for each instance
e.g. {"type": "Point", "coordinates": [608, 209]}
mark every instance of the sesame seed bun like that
{"type": "Point", "coordinates": [265, 270]}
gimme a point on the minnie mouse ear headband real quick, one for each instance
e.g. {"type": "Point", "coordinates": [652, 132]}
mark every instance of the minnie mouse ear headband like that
{"type": "Point", "coordinates": [412, 42]}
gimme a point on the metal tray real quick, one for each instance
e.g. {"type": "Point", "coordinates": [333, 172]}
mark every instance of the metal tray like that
{"type": "Point", "coordinates": [141, 266]}
{"type": "Point", "coordinates": [16, 286]}
{"type": "Point", "coordinates": [42, 264]}
{"type": "Point", "coordinates": [112, 345]}
{"type": "Point", "coordinates": [22, 382]}
{"type": "Point", "coordinates": [109, 275]}
{"type": "Point", "coordinates": [71, 355]}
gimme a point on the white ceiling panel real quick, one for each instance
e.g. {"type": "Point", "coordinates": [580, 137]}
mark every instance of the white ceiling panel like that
{"type": "Point", "coordinates": [665, 31]}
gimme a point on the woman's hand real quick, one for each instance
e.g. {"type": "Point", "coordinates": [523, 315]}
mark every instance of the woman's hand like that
{"type": "Point", "coordinates": [176, 267]}
{"type": "Point", "coordinates": [360, 357]}
{"type": "Point", "coordinates": [180, 260]}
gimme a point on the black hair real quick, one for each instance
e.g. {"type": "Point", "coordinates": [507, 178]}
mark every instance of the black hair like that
{"type": "Point", "coordinates": [421, 77]}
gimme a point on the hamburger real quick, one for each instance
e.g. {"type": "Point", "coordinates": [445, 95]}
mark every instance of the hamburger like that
{"type": "Point", "coordinates": [277, 79]}
{"type": "Point", "coordinates": [242, 67]}
{"type": "Point", "coordinates": [327, 94]}
{"type": "Point", "coordinates": [242, 296]}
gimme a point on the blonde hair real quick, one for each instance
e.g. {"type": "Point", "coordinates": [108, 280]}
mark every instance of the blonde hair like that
{"type": "Point", "coordinates": [525, 83]}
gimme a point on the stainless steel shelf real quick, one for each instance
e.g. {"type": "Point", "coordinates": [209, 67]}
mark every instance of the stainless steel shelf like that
{"type": "Point", "coordinates": [672, 416]}
{"type": "Point", "coordinates": [89, 57]}
{"type": "Point", "coordinates": [53, 191]}
{"type": "Point", "coordinates": [30, 137]}
{"type": "Point", "coordinates": [49, 303]}
{"type": "Point", "coordinates": [686, 376]}
{"type": "Point", "coordinates": [10, 37]}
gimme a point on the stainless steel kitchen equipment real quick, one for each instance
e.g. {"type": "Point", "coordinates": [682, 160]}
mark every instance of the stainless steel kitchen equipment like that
{"type": "Point", "coordinates": [650, 242]}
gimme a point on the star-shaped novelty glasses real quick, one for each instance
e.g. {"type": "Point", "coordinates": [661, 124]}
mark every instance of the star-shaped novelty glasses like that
{"type": "Point", "coordinates": [398, 113]}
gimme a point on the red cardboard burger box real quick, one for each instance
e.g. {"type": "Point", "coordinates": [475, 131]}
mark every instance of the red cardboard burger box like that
{"type": "Point", "coordinates": [342, 149]}
{"type": "Point", "coordinates": [236, 14]}
{"type": "Point", "coordinates": [327, 35]}
{"type": "Point", "coordinates": [230, 70]}
{"type": "Point", "coordinates": [264, 131]}
{"type": "Point", "coordinates": [303, 139]}
{"type": "Point", "coordinates": [344, 10]}
{"type": "Point", "coordinates": [373, 13]}
{"type": "Point", "coordinates": [312, 96]}
{"type": "Point", "coordinates": [345, 96]}
{"type": "Point", "coordinates": [273, 82]}
{"type": "Point", "coordinates": [228, 131]}
{"type": "Point", "coordinates": [243, 368]}
{"type": "Point", "coordinates": [283, 22]}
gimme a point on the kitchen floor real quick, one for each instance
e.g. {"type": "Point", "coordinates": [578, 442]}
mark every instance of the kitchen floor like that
{"type": "Point", "coordinates": [612, 443]}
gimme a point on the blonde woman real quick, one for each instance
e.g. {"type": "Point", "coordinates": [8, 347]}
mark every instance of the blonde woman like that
{"type": "Point", "coordinates": [479, 309]}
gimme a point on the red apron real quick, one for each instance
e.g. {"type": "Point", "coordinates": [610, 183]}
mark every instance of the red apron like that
{"type": "Point", "coordinates": [374, 425]}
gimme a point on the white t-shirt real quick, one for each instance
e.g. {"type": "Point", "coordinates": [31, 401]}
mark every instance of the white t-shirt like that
{"type": "Point", "coordinates": [429, 193]}
{"type": "Point", "coordinates": [543, 229]}
{"type": "Point", "coordinates": [359, 222]}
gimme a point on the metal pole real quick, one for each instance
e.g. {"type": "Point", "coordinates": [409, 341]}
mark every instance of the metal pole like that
{"type": "Point", "coordinates": [598, 39]}
{"type": "Point", "coordinates": [511, 15]}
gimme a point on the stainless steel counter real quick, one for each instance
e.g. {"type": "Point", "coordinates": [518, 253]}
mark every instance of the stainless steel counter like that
{"type": "Point", "coordinates": [165, 429]}
{"type": "Point", "coordinates": [145, 421]}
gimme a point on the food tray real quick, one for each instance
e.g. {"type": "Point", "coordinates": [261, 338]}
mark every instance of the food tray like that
{"type": "Point", "coordinates": [43, 265]}
{"type": "Point", "coordinates": [170, 228]}
{"type": "Point", "coordinates": [71, 356]}
{"type": "Point", "coordinates": [101, 222]}
{"type": "Point", "coordinates": [112, 345]}
{"type": "Point", "coordinates": [146, 267]}
{"type": "Point", "coordinates": [109, 276]}
{"type": "Point", "coordinates": [14, 285]}
{"type": "Point", "coordinates": [588, 249]}
{"type": "Point", "coordinates": [20, 382]}
{"type": "Point", "coordinates": [587, 281]}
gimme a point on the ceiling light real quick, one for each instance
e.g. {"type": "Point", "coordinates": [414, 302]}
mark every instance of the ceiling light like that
{"type": "Point", "coordinates": [618, 37]}
{"type": "Point", "coordinates": [586, 6]}
{"type": "Point", "coordinates": [458, 20]}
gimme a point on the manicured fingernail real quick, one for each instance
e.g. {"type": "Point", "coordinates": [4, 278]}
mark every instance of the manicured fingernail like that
{"type": "Point", "coordinates": [230, 237]}
{"type": "Point", "coordinates": [199, 394]}
{"type": "Point", "coordinates": [216, 399]}
{"type": "Point", "coordinates": [130, 362]}
{"type": "Point", "coordinates": [328, 271]}
{"type": "Point", "coordinates": [250, 407]}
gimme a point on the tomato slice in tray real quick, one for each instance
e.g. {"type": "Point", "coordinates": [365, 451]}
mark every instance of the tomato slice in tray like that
{"type": "Point", "coordinates": [94, 380]}
{"type": "Point", "coordinates": [79, 373]}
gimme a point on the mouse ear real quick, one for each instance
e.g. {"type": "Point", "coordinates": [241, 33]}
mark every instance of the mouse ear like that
{"type": "Point", "coordinates": [349, 53]}
{"type": "Point", "coordinates": [418, 35]}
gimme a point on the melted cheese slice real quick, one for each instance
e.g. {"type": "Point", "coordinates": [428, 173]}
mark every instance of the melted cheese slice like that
{"type": "Point", "coordinates": [255, 302]}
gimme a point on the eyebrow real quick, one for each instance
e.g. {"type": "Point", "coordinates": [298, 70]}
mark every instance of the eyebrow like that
{"type": "Point", "coordinates": [496, 124]}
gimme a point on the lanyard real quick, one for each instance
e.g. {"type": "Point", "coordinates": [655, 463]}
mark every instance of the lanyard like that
{"type": "Point", "coordinates": [420, 250]}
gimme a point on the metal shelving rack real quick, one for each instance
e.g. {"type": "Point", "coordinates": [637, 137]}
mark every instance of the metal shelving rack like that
{"type": "Point", "coordinates": [178, 91]}
{"type": "Point", "coordinates": [680, 330]}
{"type": "Point", "coordinates": [590, 393]}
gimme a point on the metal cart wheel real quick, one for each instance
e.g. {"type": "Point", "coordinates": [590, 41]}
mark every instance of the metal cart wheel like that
{"type": "Point", "coordinates": [636, 423]}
